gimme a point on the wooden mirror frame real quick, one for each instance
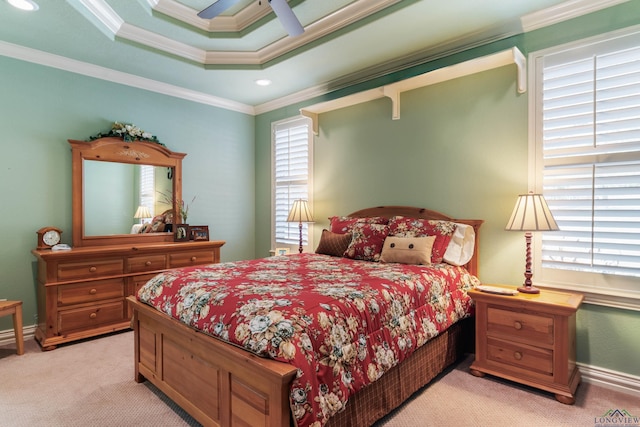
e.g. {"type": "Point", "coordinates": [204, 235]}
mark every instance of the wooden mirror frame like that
{"type": "Point", "coordinates": [111, 149]}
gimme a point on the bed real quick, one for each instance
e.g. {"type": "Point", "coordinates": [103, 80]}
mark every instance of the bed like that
{"type": "Point", "coordinates": [213, 365]}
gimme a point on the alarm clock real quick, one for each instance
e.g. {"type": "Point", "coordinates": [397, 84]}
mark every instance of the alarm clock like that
{"type": "Point", "coordinates": [48, 237]}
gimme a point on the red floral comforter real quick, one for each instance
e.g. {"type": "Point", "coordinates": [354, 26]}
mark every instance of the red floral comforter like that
{"type": "Point", "coordinates": [341, 322]}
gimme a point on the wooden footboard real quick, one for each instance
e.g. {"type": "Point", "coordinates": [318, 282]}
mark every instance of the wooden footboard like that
{"type": "Point", "coordinates": [216, 383]}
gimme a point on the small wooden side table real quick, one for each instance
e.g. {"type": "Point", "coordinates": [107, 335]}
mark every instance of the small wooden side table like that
{"type": "Point", "coordinates": [529, 339]}
{"type": "Point", "coordinates": [14, 308]}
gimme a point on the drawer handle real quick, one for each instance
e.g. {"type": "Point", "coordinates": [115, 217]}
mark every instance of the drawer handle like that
{"type": "Point", "coordinates": [517, 355]}
{"type": "Point", "coordinates": [93, 291]}
{"type": "Point", "coordinates": [517, 325]}
{"type": "Point", "coordinates": [92, 269]}
{"type": "Point", "coordinates": [148, 263]}
{"type": "Point", "coordinates": [93, 316]}
{"type": "Point", "coordinates": [193, 259]}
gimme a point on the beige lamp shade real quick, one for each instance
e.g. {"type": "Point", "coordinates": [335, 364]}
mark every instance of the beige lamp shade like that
{"type": "Point", "coordinates": [531, 213]}
{"type": "Point", "coordinates": [300, 212]}
{"type": "Point", "coordinates": [142, 212]}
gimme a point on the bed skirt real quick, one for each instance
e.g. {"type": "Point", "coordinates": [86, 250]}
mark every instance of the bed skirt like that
{"type": "Point", "coordinates": [383, 396]}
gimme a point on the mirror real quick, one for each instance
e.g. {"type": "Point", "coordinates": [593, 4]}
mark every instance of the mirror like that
{"type": "Point", "coordinates": [113, 192]}
{"type": "Point", "coordinates": [110, 177]}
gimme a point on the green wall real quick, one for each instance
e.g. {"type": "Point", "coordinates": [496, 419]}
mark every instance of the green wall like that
{"type": "Point", "coordinates": [460, 147]}
{"type": "Point", "coordinates": [42, 107]}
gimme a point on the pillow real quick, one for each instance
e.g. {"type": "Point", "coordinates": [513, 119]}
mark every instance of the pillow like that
{"type": "Point", "coordinates": [333, 244]}
{"type": "Point", "coordinates": [344, 224]}
{"type": "Point", "coordinates": [407, 250]}
{"type": "Point", "coordinates": [416, 227]}
{"type": "Point", "coordinates": [367, 241]}
{"type": "Point", "coordinates": [460, 249]}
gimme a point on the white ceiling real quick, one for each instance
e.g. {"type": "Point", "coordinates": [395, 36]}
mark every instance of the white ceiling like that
{"type": "Point", "coordinates": [163, 45]}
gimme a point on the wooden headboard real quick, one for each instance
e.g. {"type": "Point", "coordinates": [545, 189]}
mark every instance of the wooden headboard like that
{"type": "Point", "coordinates": [412, 212]}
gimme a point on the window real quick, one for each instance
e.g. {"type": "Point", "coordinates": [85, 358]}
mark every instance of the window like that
{"type": "Point", "coordinates": [586, 98]}
{"type": "Point", "coordinates": [147, 185]}
{"type": "Point", "coordinates": [291, 178]}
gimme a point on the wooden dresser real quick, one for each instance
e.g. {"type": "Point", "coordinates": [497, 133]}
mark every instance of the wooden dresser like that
{"type": "Point", "coordinates": [82, 292]}
{"type": "Point", "coordinates": [528, 338]}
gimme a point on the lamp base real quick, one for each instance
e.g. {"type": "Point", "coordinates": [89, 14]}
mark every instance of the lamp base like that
{"type": "Point", "coordinates": [528, 290]}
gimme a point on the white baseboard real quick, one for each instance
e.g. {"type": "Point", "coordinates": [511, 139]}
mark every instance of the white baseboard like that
{"type": "Point", "coordinates": [7, 337]}
{"type": "Point", "coordinates": [613, 380]}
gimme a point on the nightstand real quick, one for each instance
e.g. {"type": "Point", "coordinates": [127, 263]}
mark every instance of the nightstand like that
{"type": "Point", "coordinates": [529, 339]}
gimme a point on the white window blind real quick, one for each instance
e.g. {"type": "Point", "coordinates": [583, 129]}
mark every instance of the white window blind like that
{"type": "Point", "coordinates": [590, 160]}
{"type": "Point", "coordinates": [291, 177]}
{"type": "Point", "coordinates": [147, 185]}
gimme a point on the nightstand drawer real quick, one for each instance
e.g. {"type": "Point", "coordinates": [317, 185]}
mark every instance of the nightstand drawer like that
{"type": "Point", "coordinates": [519, 326]}
{"type": "Point", "coordinates": [533, 359]}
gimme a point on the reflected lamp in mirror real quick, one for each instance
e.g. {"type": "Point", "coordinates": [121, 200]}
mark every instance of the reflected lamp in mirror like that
{"type": "Point", "coordinates": [530, 214]}
{"type": "Point", "coordinates": [142, 213]}
{"type": "Point", "coordinates": [300, 213]}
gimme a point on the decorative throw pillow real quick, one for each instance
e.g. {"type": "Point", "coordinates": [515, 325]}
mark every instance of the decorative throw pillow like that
{"type": "Point", "coordinates": [407, 250]}
{"type": "Point", "coordinates": [333, 244]}
{"type": "Point", "coordinates": [461, 246]}
{"type": "Point", "coordinates": [367, 241]}
{"type": "Point", "coordinates": [416, 227]}
{"type": "Point", "coordinates": [344, 224]}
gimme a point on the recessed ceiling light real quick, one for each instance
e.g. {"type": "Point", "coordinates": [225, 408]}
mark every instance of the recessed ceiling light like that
{"type": "Point", "coordinates": [29, 5]}
{"type": "Point", "coordinates": [263, 82]}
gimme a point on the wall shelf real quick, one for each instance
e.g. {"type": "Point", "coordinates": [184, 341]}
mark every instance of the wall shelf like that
{"type": "Point", "coordinates": [393, 91]}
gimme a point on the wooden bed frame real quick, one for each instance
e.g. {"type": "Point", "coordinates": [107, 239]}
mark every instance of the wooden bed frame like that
{"type": "Point", "coordinates": [222, 385]}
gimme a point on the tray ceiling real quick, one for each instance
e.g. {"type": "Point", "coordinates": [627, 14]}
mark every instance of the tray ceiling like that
{"type": "Point", "coordinates": [163, 45]}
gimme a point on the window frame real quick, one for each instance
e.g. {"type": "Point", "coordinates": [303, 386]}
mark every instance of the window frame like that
{"type": "Point", "coordinates": [307, 228]}
{"type": "Point", "coordinates": [600, 289]}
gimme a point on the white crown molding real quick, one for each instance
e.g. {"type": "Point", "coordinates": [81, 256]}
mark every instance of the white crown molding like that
{"type": "Point", "coordinates": [107, 74]}
{"type": "Point", "coordinates": [221, 24]}
{"type": "Point", "coordinates": [104, 13]}
{"type": "Point", "coordinates": [294, 98]}
{"type": "Point", "coordinates": [156, 41]}
{"type": "Point", "coordinates": [564, 11]}
{"type": "Point", "coordinates": [349, 14]}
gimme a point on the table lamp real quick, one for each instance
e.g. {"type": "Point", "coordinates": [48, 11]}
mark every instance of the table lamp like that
{"type": "Point", "coordinates": [531, 213]}
{"type": "Point", "coordinates": [300, 213]}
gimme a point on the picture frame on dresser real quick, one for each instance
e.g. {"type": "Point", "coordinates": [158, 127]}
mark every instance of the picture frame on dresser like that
{"type": "Point", "coordinates": [181, 233]}
{"type": "Point", "coordinates": [199, 232]}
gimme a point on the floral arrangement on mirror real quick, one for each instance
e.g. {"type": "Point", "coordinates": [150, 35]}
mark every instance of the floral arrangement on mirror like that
{"type": "Point", "coordinates": [182, 206]}
{"type": "Point", "coordinates": [128, 132]}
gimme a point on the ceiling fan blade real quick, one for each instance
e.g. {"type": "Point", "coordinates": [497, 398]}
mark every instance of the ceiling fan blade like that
{"type": "Point", "coordinates": [286, 16]}
{"type": "Point", "coordinates": [216, 8]}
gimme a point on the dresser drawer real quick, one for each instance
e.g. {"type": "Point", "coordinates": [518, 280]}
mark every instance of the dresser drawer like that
{"type": "Point", "coordinates": [91, 317]}
{"type": "Point", "coordinates": [187, 258]}
{"type": "Point", "coordinates": [140, 264]}
{"type": "Point", "coordinates": [519, 326]}
{"type": "Point", "coordinates": [534, 360]}
{"type": "Point", "coordinates": [91, 291]}
{"type": "Point", "coordinates": [89, 269]}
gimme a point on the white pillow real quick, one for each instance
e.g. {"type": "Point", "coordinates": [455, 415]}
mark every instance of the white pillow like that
{"type": "Point", "coordinates": [460, 249]}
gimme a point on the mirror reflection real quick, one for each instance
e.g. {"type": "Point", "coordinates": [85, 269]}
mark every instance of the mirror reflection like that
{"type": "Point", "coordinates": [114, 192]}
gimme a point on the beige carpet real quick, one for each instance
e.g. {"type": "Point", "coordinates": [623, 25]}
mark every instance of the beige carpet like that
{"type": "Point", "coordinates": [91, 384]}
